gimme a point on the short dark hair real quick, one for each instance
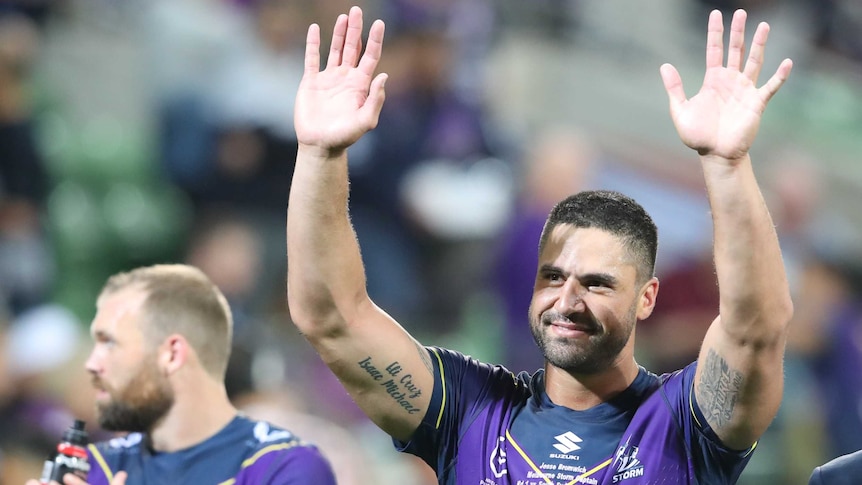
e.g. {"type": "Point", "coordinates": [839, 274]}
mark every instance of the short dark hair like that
{"type": "Point", "coordinates": [615, 213]}
{"type": "Point", "coordinates": [181, 299]}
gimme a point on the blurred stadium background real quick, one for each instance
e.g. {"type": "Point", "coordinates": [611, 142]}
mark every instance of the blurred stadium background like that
{"type": "Point", "coordinates": [142, 131]}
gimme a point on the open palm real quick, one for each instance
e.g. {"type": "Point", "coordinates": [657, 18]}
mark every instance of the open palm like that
{"type": "Point", "coordinates": [722, 119]}
{"type": "Point", "coordinates": [336, 106]}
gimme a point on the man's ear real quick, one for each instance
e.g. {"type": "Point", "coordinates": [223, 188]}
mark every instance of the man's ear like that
{"type": "Point", "coordinates": [174, 353]}
{"type": "Point", "coordinates": [646, 302]}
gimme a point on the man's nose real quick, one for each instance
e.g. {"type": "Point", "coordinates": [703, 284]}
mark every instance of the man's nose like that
{"type": "Point", "coordinates": [92, 364]}
{"type": "Point", "coordinates": [571, 298]}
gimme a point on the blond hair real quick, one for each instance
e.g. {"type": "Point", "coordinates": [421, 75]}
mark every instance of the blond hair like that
{"type": "Point", "coordinates": [181, 299]}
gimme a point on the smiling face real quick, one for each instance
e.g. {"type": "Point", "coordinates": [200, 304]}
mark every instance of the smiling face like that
{"type": "Point", "coordinates": [132, 392]}
{"type": "Point", "coordinates": [587, 299]}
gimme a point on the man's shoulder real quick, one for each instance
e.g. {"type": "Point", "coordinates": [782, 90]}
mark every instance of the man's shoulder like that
{"type": "Point", "coordinates": [844, 469]}
{"type": "Point", "coordinates": [263, 434]}
{"type": "Point", "coordinates": [246, 450]}
{"type": "Point", "coordinates": [466, 364]}
{"type": "Point", "coordinates": [243, 433]}
{"type": "Point", "coordinates": [277, 451]}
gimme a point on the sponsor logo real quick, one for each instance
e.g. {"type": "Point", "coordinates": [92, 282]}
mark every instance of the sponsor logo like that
{"type": "Point", "coordinates": [567, 442]}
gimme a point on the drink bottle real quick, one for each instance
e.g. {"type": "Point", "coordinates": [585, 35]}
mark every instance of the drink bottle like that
{"type": "Point", "coordinates": [71, 456]}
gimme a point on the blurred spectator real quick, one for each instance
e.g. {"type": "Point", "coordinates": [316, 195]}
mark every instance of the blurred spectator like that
{"type": "Point", "coordinates": [727, 7]}
{"type": "Point", "coordinates": [253, 97]}
{"type": "Point", "coordinates": [558, 162]}
{"type": "Point", "coordinates": [425, 184]}
{"type": "Point", "coordinates": [226, 99]}
{"type": "Point", "coordinates": [688, 305]}
{"type": "Point", "coordinates": [827, 333]}
{"type": "Point", "coordinates": [43, 350]}
{"type": "Point", "coordinates": [189, 43]}
{"type": "Point", "coordinates": [228, 251]}
{"type": "Point", "coordinates": [257, 82]}
{"type": "Point", "coordinates": [25, 261]}
{"type": "Point", "coordinates": [36, 10]}
{"type": "Point", "coordinates": [837, 24]}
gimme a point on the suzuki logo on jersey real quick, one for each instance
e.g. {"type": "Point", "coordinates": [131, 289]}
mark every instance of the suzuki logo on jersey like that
{"type": "Point", "coordinates": [627, 464]}
{"type": "Point", "coordinates": [567, 442]}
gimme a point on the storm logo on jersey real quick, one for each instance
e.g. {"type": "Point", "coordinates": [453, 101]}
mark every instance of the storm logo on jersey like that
{"type": "Point", "coordinates": [627, 464]}
{"type": "Point", "coordinates": [498, 459]}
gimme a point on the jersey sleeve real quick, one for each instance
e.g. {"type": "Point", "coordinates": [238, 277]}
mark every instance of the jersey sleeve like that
{"type": "Point", "coordinates": [713, 461]}
{"type": "Point", "coordinates": [286, 464]}
{"type": "Point", "coordinates": [463, 386]}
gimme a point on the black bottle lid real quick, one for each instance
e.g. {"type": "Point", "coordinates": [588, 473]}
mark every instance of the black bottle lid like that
{"type": "Point", "coordinates": [76, 434]}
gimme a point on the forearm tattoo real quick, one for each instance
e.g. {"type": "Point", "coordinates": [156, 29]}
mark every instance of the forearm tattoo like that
{"type": "Point", "coordinates": [719, 390]}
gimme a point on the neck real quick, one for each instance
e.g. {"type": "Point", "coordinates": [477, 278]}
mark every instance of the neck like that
{"type": "Point", "coordinates": [200, 411]}
{"type": "Point", "coordinates": [583, 391]}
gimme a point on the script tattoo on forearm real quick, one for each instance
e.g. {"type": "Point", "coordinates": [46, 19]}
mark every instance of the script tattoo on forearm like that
{"type": "Point", "coordinates": [719, 390]}
{"type": "Point", "coordinates": [398, 384]}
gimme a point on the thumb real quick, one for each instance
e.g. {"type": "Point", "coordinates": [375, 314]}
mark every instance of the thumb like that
{"type": "Point", "coordinates": [673, 85]}
{"type": "Point", "coordinates": [119, 478]}
{"type": "Point", "coordinates": [374, 103]}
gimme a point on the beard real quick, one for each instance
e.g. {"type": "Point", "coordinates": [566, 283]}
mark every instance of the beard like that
{"type": "Point", "coordinates": [590, 355]}
{"type": "Point", "coordinates": [140, 404]}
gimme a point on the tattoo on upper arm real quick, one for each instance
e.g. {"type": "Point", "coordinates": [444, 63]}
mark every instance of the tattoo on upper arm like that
{"type": "Point", "coordinates": [396, 382]}
{"type": "Point", "coordinates": [426, 359]}
{"type": "Point", "coordinates": [719, 390]}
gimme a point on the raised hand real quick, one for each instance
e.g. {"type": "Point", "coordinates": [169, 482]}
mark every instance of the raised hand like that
{"type": "Point", "coordinates": [336, 106]}
{"type": "Point", "coordinates": [723, 118]}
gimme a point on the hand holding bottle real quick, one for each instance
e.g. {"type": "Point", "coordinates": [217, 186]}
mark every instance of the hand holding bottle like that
{"type": "Point", "coordinates": [69, 479]}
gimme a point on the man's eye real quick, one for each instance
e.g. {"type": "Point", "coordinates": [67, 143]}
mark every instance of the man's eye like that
{"type": "Point", "coordinates": [599, 286]}
{"type": "Point", "coordinates": [105, 341]}
{"type": "Point", "coordinates": [555, 277]}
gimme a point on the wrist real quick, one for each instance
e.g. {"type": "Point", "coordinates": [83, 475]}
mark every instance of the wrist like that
{"type": "Point", "coordinates": [722, 167]}
{"type": "Point", "coordinates": [712, 159]}
{"type": "Point", "coordinates": [319, 152]}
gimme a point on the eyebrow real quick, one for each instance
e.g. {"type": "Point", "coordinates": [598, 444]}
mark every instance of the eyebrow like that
{"type": "Point", "coordinates": [604, 278]}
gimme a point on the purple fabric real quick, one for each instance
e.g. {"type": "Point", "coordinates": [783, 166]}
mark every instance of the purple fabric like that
{"type": "Point", "coordinates": [498, 429]}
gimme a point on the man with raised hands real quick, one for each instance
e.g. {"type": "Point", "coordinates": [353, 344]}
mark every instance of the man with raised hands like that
{"type": "Point", "coordinates": [592, 415]}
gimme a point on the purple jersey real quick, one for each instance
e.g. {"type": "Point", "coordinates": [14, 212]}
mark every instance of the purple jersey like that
{"type": "Point", "coordinates": [244, 452]}
{"type": "Point", "coordinates": [485, 426]}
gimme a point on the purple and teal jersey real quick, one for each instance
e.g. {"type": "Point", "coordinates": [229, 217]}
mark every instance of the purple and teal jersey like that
{"type": "Point", "coordinates": [245, 452]}
{"type": "Point", "coordinates": [486, 426]}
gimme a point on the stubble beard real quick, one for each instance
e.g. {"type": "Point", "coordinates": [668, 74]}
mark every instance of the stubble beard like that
{"type": "Point", "coordinates": [590, 355]}
{"type": "Point", "coordinates": [140, 404]}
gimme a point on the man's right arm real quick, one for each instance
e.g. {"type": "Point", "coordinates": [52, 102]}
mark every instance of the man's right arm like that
{"type": "Point", "coordinates": [384, 369]}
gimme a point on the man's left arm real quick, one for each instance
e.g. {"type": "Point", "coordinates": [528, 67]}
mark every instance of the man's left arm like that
{"type": "Point", "coordinates": [739, 379]}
